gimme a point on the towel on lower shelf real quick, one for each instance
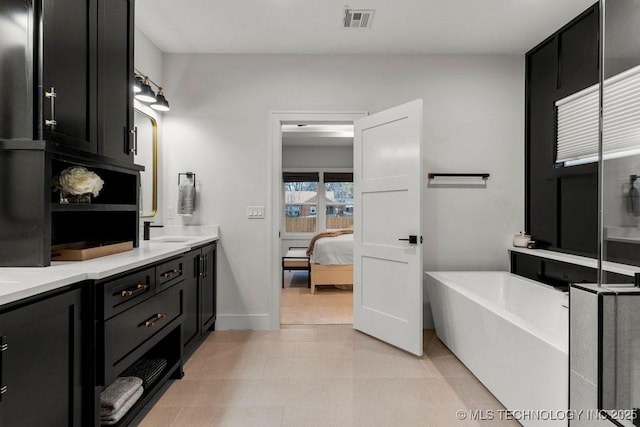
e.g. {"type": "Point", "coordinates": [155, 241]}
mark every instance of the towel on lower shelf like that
{"type": "Point", "coordinates": [116, 416]}
{"type": "Point", "coordinates": [117, 394]}
{"type": "Point", "coordinates": [147, 369]}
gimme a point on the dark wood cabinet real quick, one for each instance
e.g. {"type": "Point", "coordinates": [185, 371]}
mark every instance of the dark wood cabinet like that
{"type": "Point", "coordinates": [41, 362]}
{"type": "Point", "coordinates": [69, 80]}
{"type": "Point", "coordinates": [560, 203]}
{"type": "Point", "coordinates": [116, 137]}
{"type": "Point", "coordinates": [65, 87]}
{"type": "Point", "coordinates": [200, 293]}
{"type": "Point", "coordinates": [138, 317]}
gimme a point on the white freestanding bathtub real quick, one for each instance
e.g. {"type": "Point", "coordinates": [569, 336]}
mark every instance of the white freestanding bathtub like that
{"type": "Point", "coordinates": [512, 333]}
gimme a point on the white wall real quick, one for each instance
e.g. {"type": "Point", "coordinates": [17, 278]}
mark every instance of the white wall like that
{"type": "Point", "coordinates": [317, 157]}
{"type": "Point", "coordinates": [219, 128]}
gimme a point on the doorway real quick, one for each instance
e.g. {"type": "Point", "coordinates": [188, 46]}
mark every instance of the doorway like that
{"type": "Point", "coordinates": [314, 148]}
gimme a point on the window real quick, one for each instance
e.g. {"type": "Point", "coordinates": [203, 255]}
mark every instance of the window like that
{"type": "Point", "coordinates": [578, 119]}
{"type": "Point", "coordinates": [300, 202]}
{"type": "Point", "coordinates": [338, 192]}
{"type": "Point", "coordinates": [317, 200]}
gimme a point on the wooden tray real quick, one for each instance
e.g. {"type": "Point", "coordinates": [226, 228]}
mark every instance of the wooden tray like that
{"type": "Point", "coordinates": [80, 251]}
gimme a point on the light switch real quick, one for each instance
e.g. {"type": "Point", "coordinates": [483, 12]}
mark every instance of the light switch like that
{"type": "Point", "coordinates": [255, 212]}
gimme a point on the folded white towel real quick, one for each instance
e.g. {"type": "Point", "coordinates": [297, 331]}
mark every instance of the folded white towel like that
{"type": "Point", "coordinates": [186, 199]}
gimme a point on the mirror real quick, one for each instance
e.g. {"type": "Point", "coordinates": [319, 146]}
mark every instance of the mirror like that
{"type": "Point", "coordinates": [146, 155]}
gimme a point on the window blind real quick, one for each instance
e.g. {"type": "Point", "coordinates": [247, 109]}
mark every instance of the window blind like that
{"type": "Point", "coordinates": [338, 177]}
{"type": "Point", "coordinates": [577, 120]}
{"type": "Point", "coordinates": [301, 177]}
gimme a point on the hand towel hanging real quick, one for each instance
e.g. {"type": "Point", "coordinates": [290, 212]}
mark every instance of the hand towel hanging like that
{"type": "Point", "coordinates": [186, 194]}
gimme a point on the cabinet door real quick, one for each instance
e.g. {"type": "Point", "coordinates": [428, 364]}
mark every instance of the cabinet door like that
{"type": "Point", "coordinates": [191, 275]}
{"type": "Point", "coordinates": [66, 43]}
{"type": "Point", "coordinates": [115, 78]}
{"type": "Point", "coordinates": [41, 366]}
{"type": "Point", "coordinates": [208, 289]}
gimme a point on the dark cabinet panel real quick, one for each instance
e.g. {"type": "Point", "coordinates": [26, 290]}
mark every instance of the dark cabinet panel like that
{"type": "Point", "coordinates": [560, 204]}
{"type": "Point", "coordinates": [200, 293]}
{"type": "Point", "coordinates": [208, 288]}
{"type": "Point", "coordinates": [16, 84]}
{"type": "Point", "coordinates": [579, 213]}
{"type": "Point", "coordinates": [115, 78]}
{"type": "Point", "coordinates": [191, 298]}
{"type": "Point", "coordinates": [41, 365]}
{"type": "Point", "coordinates": [66, 72]}
{"type": "Point", "coordinates": [578, 54]}
{"type": "Point", "coordinates": [542, 207]}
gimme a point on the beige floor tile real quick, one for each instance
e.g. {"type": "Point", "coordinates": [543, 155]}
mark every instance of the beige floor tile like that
{"type": "Point", "coordinates": [451, 367]}
{"type": "Point", "coordinates": [160, 416]}
{"type": "Point", "coordinates": [230, 416]}
{"type": "Point", "coordinates": [320, 376]}
{"type": "Point", "coordinates": [327, 306]}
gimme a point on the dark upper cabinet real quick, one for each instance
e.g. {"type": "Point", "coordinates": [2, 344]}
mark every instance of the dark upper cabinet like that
{"type": "Point", "coordinates": [67, 68]}
{"type": "Point", "coordinates": [17, 57]}
{"type": "Point", "coordinates": [65, 87]}
{"type": "Point", "coordinates": [560, 203]}
{"type": "Point", "coordinates": [115, 78]}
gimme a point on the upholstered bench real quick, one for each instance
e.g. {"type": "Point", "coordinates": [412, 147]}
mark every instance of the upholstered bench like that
{"type": "Point", "coordinates": [296, 259]}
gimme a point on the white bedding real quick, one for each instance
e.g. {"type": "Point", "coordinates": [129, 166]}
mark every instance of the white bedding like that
{"type": "Point", "coordinates": [333, 250]}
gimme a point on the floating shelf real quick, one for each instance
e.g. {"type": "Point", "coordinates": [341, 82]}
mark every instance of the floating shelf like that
{"type": "Point", "coordinates": [92, 207]}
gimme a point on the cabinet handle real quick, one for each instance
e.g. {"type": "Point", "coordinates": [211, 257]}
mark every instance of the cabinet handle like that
{"type": "Point", "coordinates": [134, 149]}
{"type": "Point", "coordinates": [170, 273]}
{"type": "Point", "coordinates": [202, 266]}
{"type": "Point", "coordinates": [3, 347]}
{"type": "Point", "coordinates": [206, 265]}
{"type": "Point", "coordinates": [52, 98]}
{"type": "Point", "coordinates": [131, 291]}
{"type": "Point", "coordinates": [151, 322]}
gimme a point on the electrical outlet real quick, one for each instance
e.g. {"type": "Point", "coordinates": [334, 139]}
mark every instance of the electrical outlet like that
{"type": "Point", "coordinates": [171, 213]}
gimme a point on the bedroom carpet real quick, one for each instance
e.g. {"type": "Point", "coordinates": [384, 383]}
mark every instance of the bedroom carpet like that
{"type": "Point", "coordinates": [329, 305]}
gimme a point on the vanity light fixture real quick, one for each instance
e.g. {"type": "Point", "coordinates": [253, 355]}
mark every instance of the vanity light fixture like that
{"type": "Point", "coordinates": [146, 94]}
{"type": "Point", "coordinates": [137, 84]}
{"type": "Point", "coordinates": [161, 103]}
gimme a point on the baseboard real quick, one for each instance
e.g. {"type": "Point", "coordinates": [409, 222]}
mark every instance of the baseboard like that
{"type": "Point", "coordinates": [243, 321]}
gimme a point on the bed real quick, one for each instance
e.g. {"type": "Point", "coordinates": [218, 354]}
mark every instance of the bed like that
{"type": "Point", "coordinates": [331, 260]}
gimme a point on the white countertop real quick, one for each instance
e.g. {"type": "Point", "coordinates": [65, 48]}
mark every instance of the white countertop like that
{"type": "Point", "coordinates": [625, 269]}
{"type": "Point", "coordinates": [22, 282]}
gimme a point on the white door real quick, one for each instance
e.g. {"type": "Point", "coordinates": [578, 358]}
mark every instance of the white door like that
{"type": "Point", "coordinates": [387, 270]}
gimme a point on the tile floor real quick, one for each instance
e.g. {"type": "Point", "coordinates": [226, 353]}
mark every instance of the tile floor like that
{"type": "Point", "coordinates": [323, 375]}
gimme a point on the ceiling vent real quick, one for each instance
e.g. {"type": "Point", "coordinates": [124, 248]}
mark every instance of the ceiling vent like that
{"type": "Point", "coordinates": [358, 18]}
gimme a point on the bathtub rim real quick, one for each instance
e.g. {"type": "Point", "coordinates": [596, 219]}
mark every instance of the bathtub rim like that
{"type": "Point", "coordinates": [505, 314]}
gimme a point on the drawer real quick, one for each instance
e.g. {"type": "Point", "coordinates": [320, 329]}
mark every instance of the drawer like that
{"type": "Point", "coordinates": [126, 331]}
{"type": "Point", "coordinates": [169, 273]}
{"type": "Point", "coordinates": [120, 294]}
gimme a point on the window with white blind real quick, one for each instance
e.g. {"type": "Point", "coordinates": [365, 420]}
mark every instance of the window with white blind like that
{"type": "Point", "coordinates": [578, 118]}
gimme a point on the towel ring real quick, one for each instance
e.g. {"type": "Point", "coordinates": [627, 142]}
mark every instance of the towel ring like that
{"type": "Point", "coordinates": [189, 175]}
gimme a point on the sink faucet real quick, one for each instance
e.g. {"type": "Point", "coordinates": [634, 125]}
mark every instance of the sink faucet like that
{"type": "Point", "coordinates": [147, 229]}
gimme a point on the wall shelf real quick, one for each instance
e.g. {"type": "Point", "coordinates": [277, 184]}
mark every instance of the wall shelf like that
{"type": "Point", "coordinates": [92, 207]}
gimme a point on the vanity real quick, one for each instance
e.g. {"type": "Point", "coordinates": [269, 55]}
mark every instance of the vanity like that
{"type": "Point", "coordinates": [69, 330]}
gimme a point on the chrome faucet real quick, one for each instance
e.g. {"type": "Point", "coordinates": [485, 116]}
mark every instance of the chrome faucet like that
{"type": "Point", "coordinates": [147, 229]}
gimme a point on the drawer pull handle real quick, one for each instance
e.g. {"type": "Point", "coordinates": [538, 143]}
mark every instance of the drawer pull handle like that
{"type": "Point", "coordinates": [171, 273]}
{"type": "Point", "coordinates": [152, 321]}
{"type": "Point", "coordinates": [3, 389]}
{"type": "Point", "coordinates": [132, 291]}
